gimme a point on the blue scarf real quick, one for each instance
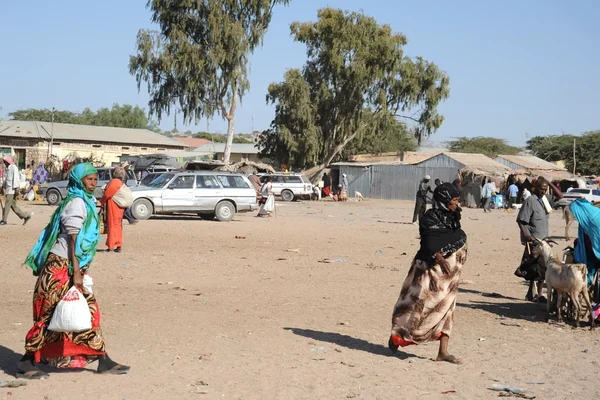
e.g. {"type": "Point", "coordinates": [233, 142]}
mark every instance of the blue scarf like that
{"type": "Point", "coordinates": [87, 239]}
{"type": "Point", "coordinates": [588, 218]}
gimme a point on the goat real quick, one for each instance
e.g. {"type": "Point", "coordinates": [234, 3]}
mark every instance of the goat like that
{"type": "Point", "coordinates": [358, 196]}
{"type": "Point", "coordinates": [569, 218]}
{"type": "Point", "coordinates": [569, 279]}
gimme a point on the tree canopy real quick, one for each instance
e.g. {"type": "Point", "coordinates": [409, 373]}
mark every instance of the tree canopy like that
{"type": "Point", "coordinates": [354, 85]}
{"type": "Point", "coordinates": [197, 61]}
{"type": "Point", "coordinates": [489, 146]}
{"type": "Point", "coordinates": [221, 138]}
{"type": "Point", "coordinates": [125, 116]}
{"type": "Point", "coordinates": [560, 148]}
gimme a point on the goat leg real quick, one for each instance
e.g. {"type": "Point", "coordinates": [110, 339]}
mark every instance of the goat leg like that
{"type": "Point", "coordinates": [549, 302]}
{"type": "Point", "coordinates": [558, 310]}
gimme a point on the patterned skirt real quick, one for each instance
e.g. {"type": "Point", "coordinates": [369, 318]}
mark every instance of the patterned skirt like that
{"type": "Point", "coordinates": [425, 309]}
{"type": "Point", "coordinates": [60, 349]}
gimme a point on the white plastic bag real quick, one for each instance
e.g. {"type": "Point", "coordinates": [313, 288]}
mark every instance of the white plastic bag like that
{"type": "Point", "coordinates": [270, 204]}
{"type": "Point", "coordinates": [72, 313]}
{"type": "Point", "coordinates": [123, 198]}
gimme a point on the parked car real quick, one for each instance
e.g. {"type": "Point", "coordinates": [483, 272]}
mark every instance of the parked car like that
{"type": "Point", "coordinates": [206, 193]}
{"type": "Point", "coordinates": [592, 195]}
{"type": "Point", "coordinates": [56, 191]}
{"type": "Point", "coordinates": [290, 186]}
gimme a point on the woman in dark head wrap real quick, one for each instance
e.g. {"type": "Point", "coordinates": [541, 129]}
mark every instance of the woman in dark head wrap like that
{"type": "Point", "coordinates": [425, 309]}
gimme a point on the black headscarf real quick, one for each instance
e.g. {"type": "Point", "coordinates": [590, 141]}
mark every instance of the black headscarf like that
{"type": "Point", "coordinates": [440, 228]}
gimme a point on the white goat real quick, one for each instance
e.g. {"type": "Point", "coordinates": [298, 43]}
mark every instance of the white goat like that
{"type": "Point", "coordinates": [358, 196]}
{"type": "Point", "coordinates": [570, 279]}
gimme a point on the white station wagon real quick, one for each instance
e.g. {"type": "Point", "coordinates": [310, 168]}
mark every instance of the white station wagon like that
{"type": "Point", "coordinates": [209, 194]}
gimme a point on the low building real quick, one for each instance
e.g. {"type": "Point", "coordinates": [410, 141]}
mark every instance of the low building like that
{"type": "Point", "coordinates": [239, 151]}
{"type": "Point", "coordinates": [399, 180]}
{"type": "Point", "coordinates": [30, 141]}
{"type": "Point", "coordinates": [192, 143]}
{"type": "Point", "coordinates": [533, 167]}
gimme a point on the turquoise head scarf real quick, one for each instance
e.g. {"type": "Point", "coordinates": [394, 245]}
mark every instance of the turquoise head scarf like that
{"type": "Point", "coordinates": [588, 218]}
{"type": "Point", "coordinates": [87, 239]}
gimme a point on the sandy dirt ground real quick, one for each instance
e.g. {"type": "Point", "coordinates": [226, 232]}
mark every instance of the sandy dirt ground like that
{"type": "Point", "coordinates": [200, 314]}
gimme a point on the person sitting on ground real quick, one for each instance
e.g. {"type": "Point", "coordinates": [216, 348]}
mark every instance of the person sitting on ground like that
{"type": "Point", "coordinates": [425, 308]}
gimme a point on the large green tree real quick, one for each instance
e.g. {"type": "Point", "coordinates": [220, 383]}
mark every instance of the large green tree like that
{"type": "Point", "coordinates": [121, 116]}
{"type": "Point", "coordinates": [356, 79]}
{"type": "Point", "coordinates": [560, 148]}
{"type": "Point", "coordinates": [489, 146]}
{"type": "Point", "coordinates": [197, 61]}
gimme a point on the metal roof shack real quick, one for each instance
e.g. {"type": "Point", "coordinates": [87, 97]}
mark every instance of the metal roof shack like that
{"type": "Point", "coordinates": [467, 163]}
{"type": "Point", "coordinates": [533, 167]}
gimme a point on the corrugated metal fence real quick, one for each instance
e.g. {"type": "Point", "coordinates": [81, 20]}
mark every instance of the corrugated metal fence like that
{"type": "Point", "coordinates": [392, 182]}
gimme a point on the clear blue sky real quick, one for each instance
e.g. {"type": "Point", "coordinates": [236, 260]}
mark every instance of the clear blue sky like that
{"type": "Point", "coordinates": [516, 67]}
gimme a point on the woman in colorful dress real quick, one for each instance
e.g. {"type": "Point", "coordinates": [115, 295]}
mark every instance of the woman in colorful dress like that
{"type": "Point", "coordinates": [425, 309]}
{"type": "Point", "coordinates": [60, 259]}
{"type": "Point", "coordinates": [114, 213]}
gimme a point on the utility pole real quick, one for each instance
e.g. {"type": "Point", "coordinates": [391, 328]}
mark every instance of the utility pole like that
{"type": "Point", "coordinates": [574, 155]}
{"type": "Point", "coordinates": [51, 132]}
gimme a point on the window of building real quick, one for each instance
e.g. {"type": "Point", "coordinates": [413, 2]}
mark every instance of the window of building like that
{"type": "Point", "coordinates": [124, 148]}
{"type": "Point", "coordinates": [97, 146]}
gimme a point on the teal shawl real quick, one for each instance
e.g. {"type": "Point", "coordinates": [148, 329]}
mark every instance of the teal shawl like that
{"type": "Point", "coordinates": [588, 218]}
{"type": "Point", "coordinates": [87, 239]}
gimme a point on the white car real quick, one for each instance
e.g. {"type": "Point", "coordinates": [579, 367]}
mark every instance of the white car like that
{"type": "Point", "coordinates": [290, 186]}
{"type": "Point", "coordinates": [206, 193]}
{"type": "Point", "coordinates": [592, 195]}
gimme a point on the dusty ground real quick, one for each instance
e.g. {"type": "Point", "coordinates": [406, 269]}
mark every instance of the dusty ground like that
{"type": "Point", "coordinates": [200, 314]}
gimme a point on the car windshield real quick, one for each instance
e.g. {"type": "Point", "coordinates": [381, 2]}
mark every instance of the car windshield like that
{"type": "Point", "coordinates": [161, 180]}
{"type": "Point", "coordinates": [305, 179]}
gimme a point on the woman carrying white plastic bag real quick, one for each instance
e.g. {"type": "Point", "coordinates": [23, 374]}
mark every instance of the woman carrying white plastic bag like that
{"type": "Point", "coordinates": [60, 260]}
{"type": "Point", "coordinates": [267, 200]}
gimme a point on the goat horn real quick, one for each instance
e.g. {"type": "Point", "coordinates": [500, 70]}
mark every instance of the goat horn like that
{"type": "Point", "coordinates": [551, 241]}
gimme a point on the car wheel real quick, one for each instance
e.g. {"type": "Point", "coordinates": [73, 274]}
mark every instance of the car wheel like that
{"type": "Point", "coordinates": [207, 217]}
{"type": "Point", "coordinates": [142, 209]}
{"type": "Point", "coordinates": [53, 197]}
{"type": "Point", "coordinates": [287, 195]}
{"type": "Point", "coordinates": [225, 211]}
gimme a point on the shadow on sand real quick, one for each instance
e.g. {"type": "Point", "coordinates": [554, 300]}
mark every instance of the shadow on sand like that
{"type": "Point", "coordinates": [351, 343]}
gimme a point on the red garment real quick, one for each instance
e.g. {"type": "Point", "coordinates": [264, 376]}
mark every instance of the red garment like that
{"type": "Point", "coordinates": [61, 349]}
{"type": "Point", "coordinates": [326, 190]}
{"type": "Point", "coordinates": [114, 215]}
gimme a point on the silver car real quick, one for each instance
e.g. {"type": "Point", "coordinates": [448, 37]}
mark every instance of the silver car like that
{"type": "Point", "coordinates": [290, 186]}
{"type": "Point", "coordinates": [56, 191]}
{"type": "Point", "coordinates": [206, 193]}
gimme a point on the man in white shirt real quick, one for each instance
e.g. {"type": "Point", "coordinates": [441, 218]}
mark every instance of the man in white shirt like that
{"type": "Point", "coordinates": [10, 186]}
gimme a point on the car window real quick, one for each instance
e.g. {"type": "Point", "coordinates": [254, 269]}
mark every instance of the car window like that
{"type": "Point", "coordinates": [161, 180]}
{"type": "Point", "coordinates": [183, 182]}
{"type": "Point", "coordinates": [596, 192]}
{"type": "Point", "coordinates": [233, 182]}
{"type": "Point", "coordinates": [305, 179]}
{"type": "Point", "coordinates": [206, 182]}
{"type": "Point", "coordinates": [277, 179]}
{"type": "Point", "coordinates": [292, 179]}
{"type": "Point", "coordinates": [130, 175]}
{"type": "Point", "coordinates": [104, 175]}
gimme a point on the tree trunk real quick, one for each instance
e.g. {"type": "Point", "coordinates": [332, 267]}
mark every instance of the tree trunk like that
{"type": "Point", "coordinates": [314, 173]}
{"type": "Point", "coordinates": [230, 128]}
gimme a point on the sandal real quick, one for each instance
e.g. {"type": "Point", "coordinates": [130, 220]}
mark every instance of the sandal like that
{"type": "Point", "coordinates": [31, 375]}
{"type": "Point", "coordinates": [117, 369]}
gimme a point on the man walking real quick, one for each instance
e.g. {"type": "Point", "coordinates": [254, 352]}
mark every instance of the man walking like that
{"type": "Point", "coordinates": [11, 185]}
{"type": "Point", "coordinates": [421, 200]}
{"type": "Point", "coordinates": [513, 193]}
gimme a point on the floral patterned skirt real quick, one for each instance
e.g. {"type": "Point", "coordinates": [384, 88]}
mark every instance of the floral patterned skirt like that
{"type": "Point", "coordinates": [61, 349]}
